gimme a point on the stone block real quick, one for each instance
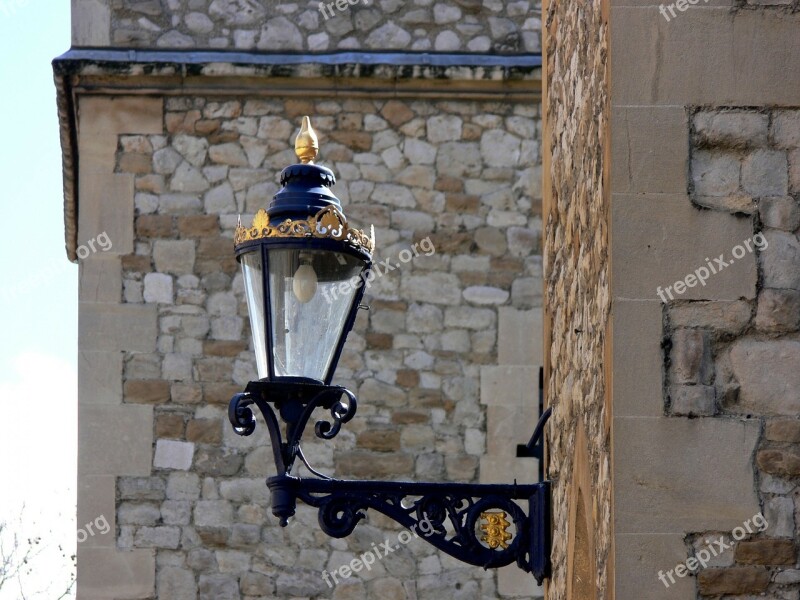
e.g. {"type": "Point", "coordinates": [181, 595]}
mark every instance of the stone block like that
{"type": "Point", "coordinates": [507, 426]}
{"type": "Point", "coordinates": [637, 386]}
{"type": "Point", "coordinates": [176, 583]}
{"type": "Point", "coordinates": [115, 328]}
{"type": "Point", "coordinates": [99, 377]}
{"type": "Point", "coordinates": [786, 129]}
{"type": "Point", "coordinates": [765, 552]}
{"type": "Point", "coordinates": [513, 582]}
{"type": "Point", "coordinates": [637, 164]}
{"type": "Point", "coordinates": [514, 386]}
{"type": "Point", "coordinates": [506, 470]}
{"type": "Point", "coordinates": [693, 400]}
{"type": "Point", "coordinates": [118, 575]}
{"type": "Point", "coordinates": [768, 377]}
{"type": "Point", "coordinates": [783, 431]}
{"type": "Point", "coordinates": [100, 279]}
{"type": "Point", "coordinates": [147, 391]}
{"type": "Point", "coordinates": [719, 317]}
{"type": "Point", "coordinates": [690, 357]}
{"type": "Point", "coordinates": [715, 173]}
{"type": "Point", "coordinates": [172, 454]}
{"type": "Point", "coordinates": [520, 337]}
{"type": "Point", "coordinates": [96, 509]}
{"type": "Point", "coordinates": [778, 310]}
{"type": "Point", "coordinates": [779, 212]}
{"type": "Point", "coordinates": [732, 128]}
{"type": "Point", "coordinates": [106, 207]}
{"type": "Point", "coordinates": [115, 440]}
{"type": "Point", "coordinates": [780, 260]}
{"type": "Point", "coordinates": [91, 23]}
{"type": "Point", "coordinates": [670, 240]}
{"type": "Point", "coordinates": [736, 580]}
{"type": "Point", "coordinates": [765, 173]}
{"type": "Point", "coordinates": [782, 461]}
{"type": "Point", "coordinates": [176, 257]}
{"type": "Point", "coordinates": [661, 486]}
{"type": "Point", "coordinates": [647, 62]}
{"type": "Point", "coordinates": [112, 115]}
{"type": "Point", "coordinates": [638, 560]}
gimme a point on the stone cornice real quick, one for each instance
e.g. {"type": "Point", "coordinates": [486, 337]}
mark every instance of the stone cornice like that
{"type": "Point", "coordinates": [422, 76]}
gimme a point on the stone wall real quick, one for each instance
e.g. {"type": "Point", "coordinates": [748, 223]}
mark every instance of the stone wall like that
{"type": "Point", "coordinates": [490, 26]}
{"type": "Point", "coordinates": [577, 297]}
{"type": "Point", "coordinates": [460, 173]}
{"type": "Point", "coordinates": [739, 359]}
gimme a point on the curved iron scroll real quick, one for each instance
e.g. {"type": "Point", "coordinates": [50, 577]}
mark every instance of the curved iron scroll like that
{"type": "Point", "coordinates": [295, 402]}
{"type": "Point", "coordinates": [446, 515]}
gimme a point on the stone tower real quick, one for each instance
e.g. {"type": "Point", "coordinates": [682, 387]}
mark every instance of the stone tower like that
{"type": "Point", "coordinates": [177, 118]}
{"type": "Point", "coordinates": [612, 193]}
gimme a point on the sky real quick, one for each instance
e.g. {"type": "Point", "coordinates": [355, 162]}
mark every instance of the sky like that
{"type": "Point", "coordinates": [38, 297]}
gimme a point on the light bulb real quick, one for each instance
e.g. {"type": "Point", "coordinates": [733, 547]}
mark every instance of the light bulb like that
{"type": "Point", "coordinates": [304, 284]}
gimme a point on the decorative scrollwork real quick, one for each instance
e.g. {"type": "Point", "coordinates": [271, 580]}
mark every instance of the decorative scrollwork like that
{"type": "Point", "coordinates": [448, 516]}
{"type": "Point", "coordinates": [327, 223]}
{"type": "Point", "coordinates": [240, 415]}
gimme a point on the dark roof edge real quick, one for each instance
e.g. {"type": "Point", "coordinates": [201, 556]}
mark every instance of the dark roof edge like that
{"type": "Point", "coordinates": [201, 57]}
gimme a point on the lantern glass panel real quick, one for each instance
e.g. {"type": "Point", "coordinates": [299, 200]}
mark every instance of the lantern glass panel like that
{"type": "Point", "coordinates": [253, 272]}
{"type": "Point", "coordinates": [311, 297]}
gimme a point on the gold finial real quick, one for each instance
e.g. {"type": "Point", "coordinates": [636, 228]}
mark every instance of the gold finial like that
{"type": "Point", "coordinates": [306, 145]}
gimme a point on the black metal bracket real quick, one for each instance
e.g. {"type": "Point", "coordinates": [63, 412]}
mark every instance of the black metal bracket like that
{"type": "Point", "coordinates": [466, 521]}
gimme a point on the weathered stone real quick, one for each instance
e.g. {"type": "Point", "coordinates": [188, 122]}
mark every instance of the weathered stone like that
{"type": "Point", "coordinates": [300, 582]}
{"type": "Point", "coordinates": [691, 357]}
{"type": "Point", "coordinates": [174, 257]}
{"type": "Point", "coordinates": [733, 129]}
{"type": "Point", "coordinates": [204, 431]}
{"type": "Point", "coordinates": [765, 173]}
{"type": "Point", "coordinates": [786, 129]}
{"type": "Point", "coordinates": [778, 310]}
{"type": "Point", "coordinates": [217, 462]}
{"type": "Point", "coordinates": [147, 391]}
{"type": "Point", "coordinates": [485, 295]}
{"type": "Point", "coordinates": [193, 149]}
{"type": "Point", "coordinates": [435, 288]}
{"type": "Point", "coordinates": [715, 173]}
{"type": "Point", "coordinates": [129, 513]}
{"type": "Point", "coordinates": [767, 391]}
{"type": "Point", "coordinates": [765, 552]}
{"type": "Point", "coordinates": [783, 431]}
{"type": "Point", "coordinates": [141, 488]}
{"type": "Point", "coordinates": [280, 32]}
{"type": "Point", "coordinates": [693, 400]}
{"type": "Point", "coordinates": [171, 454]}
{"type": "Point", "coordinates": [176, 583]}
{"type": "Point", "coordinates": [780, 260]}
{"type": "Point", "coordinates": [218, 587]}
{"type": "Point", "coordinates": [779, 212]}
{"type": "Point", "coordinates": [166, 537]}
{"type": "Point", "coordinates": [158, 288]}
{"type": "Point", "coordinates": [728, 317]}
{"type": "Point", "coordinates": [379, 440]}
{"type": "Point", "coordinates": [780, 461]}
{"type": "Point", "coordinates": [388, 37]}
{"type": "Point", "coordinates": [359, 463]}
{"type": "Point", "coordinates": [170, 425]}
{"type": "Point", "coordinates": [176, 512]}
{"type": "Point", "coordinates": [737, 580]}
{"type": "Point", "coordinates": [183, 486]}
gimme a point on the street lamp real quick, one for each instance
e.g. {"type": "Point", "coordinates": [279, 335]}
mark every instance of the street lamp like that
{"type": "Point", "coordinates": [304, 270]}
